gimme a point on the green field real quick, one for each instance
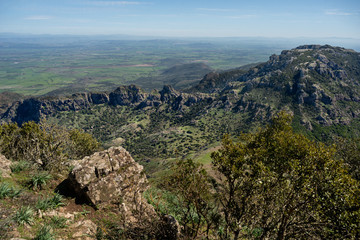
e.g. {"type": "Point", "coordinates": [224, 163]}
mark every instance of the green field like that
{"type": "Point", "coordinates": [39, 69]}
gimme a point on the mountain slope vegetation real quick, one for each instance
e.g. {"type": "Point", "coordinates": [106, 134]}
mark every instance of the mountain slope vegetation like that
{"type": "Point", "coordinates": [318, 84]}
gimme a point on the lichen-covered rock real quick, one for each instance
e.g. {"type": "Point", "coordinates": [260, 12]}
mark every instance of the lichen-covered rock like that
{"type": "Point", "coordinates": [111, 179]}
{"type": "Point", "coordinates": [4, 166]}
{"type": "Point", "coordinates": [108, 177]}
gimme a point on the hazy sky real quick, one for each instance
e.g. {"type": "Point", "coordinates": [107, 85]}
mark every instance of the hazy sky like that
{"type": "Point", "coordinates": [200, 18]}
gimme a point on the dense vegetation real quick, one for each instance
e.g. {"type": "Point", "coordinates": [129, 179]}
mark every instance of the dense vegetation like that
{"type": "Point", "coordinates": [44, 145]}
{"type": "Point", "coordinates": [272, 184]}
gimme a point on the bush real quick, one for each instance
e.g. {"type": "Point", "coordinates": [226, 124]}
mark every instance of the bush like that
{"type": "Point", "coordinates": [37, 181]}
{"type": "Point", "coordinates": [25, 215]}
{"type": "Point", "coordinates": [83, 144]}
{"type": "Point", "coordinates": [45, 233]}
{"type": "Point", "coordinates": [7, 191]}
{"type": "Point", "coordinates": [278, 185]}
{"type": "Point", "coordinates": [49, 203]}
{"type": "Point", "coordinates": [19, 166]}
{"type": "Point", "coordinates": [44, 145]}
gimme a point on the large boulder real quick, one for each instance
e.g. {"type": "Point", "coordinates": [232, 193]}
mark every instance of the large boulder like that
{"type": "Point", "coordinates": [111, 179]}
{"type": "Point", "coordinates": [108, 177]}
{"type": "Point", "coordinates": [4, 166]}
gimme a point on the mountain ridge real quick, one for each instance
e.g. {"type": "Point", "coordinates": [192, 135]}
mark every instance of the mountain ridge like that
{"type": "Point", "coordinates": [319, 84]}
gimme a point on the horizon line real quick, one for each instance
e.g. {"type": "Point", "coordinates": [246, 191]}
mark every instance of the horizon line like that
{"type": "Point", "coordinates": [168, 36]}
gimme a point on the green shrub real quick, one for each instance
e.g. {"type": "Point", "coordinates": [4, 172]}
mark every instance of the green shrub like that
{"type": "Point", "coordinates": [82, 144]}
{"type": "Point", "coordinates": [7, 191]}
{"type": "Point", "coordinates": [25, 215]}
{"type": "Point", "coordinates": [19, 166]}
{"type": "Point", "coordinates": [43, 204]}
{"type": "Point", "coordinates": [45, 233]}
{"type": "Point", "coordinates": [44, 145]}
{"type": "Point", "coordinates": [37, 181]}
{"type": "Point", "coordinates": [49, 203]}
{"type": "Point", "coordinates": [57, 200]}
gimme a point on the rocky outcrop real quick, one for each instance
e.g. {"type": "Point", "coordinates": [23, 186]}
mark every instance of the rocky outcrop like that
{"type": "Point", "coordinates": [127, 96]}
{"type": "Point", "coordinates": [4, 166]}
{"type": "Point", "coordinates": [109, 177]}
{"type": "Point", "coordinates": [7, 98]}
{"type": "Point", "coordinates": [319, 80]}
{"type": "Point", "coordinates": [33, 109]}
{"type": "Point", "coordinates": [214, 82]}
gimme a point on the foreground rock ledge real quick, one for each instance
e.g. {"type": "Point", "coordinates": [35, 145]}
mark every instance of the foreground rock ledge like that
{"type": "Point", "coordinates": [108, 177]}
{"type": "Point", "coordinates": [111, 179]}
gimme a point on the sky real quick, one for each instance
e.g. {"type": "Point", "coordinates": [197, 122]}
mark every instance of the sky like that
{"type": "Point", "coordinates": [185, 18]}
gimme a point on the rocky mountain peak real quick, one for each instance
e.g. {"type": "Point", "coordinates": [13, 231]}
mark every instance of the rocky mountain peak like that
{"type": "Point", "coordinates": [324, 77]}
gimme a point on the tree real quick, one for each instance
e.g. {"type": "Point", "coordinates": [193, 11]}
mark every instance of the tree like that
{"type": "Point", "coordinates": [349, 151]}
{"type": "Point", "coordinates": [279, 185]}
{"type": "Point", "coordinates": [194, 202]}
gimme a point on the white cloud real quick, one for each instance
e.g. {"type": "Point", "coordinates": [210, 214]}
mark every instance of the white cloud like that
{"type": "Point", "coordinates": [336, 12]}
{"type": "Point", "coordinates": [38, 18]}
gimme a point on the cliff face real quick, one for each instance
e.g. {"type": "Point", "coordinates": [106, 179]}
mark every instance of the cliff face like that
{"type": "Point", "coordinates": [33, 109]}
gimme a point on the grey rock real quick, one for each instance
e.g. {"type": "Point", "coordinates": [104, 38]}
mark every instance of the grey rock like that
{"type": "Point", "coordinates": [108, 177]}
{"type": "Point", "coordinates": [5, 166]}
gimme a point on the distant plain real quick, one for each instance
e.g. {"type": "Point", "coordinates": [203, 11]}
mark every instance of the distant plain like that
{"type": "Point", "coordinates": [43, 68]}
{"type": "Point", "coordinates": [64, 64]}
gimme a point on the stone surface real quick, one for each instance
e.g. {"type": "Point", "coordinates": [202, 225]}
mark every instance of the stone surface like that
{"type": "Point", "coordinates": [108, 177]}
{"type": "Point", "coordinates": [112, 178]}
{"type": "Point", "coordinates": [5, 166]}
{"type": "Point", "coordinates": [84, 230]}
{"type": "Point", "coordinates": [57, 213]}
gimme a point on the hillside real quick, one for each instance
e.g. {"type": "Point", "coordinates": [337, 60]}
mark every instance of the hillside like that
{"type": "Point", "coordinates": [318, 84]}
